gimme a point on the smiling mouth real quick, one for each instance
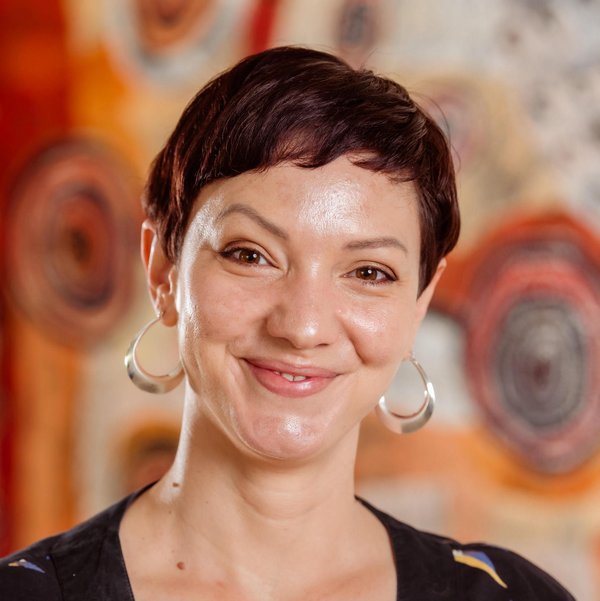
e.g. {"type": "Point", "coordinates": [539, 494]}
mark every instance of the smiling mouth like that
{"type": "Point", "coordinates": [289, 380]}
{"type": "Point", "coordinates": [290, 377]}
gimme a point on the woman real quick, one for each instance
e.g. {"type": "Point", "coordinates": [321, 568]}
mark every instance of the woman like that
{"type": "Point", "coordinates": [298, 220]}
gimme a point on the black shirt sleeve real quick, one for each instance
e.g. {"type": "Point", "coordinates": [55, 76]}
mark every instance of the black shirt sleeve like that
{"type": "Point", "coordinates": [29, 575]}
{"type": "Point", "coordinates": [488, 572]}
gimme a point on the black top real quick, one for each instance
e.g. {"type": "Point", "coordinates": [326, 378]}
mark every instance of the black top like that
{"type": "Point", "coordinates": [86, 564]}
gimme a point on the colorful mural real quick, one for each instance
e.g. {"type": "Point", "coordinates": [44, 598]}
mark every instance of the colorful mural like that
{"type": "Point", "coordinates": [88, 93]}
{"type": "Point", "coordinates": [70, 222]}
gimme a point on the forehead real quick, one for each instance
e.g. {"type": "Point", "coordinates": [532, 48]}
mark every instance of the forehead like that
{"type": "Point", "coordinates": [337, 198]}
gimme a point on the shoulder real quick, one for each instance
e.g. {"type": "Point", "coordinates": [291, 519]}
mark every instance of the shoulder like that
{"type": "Point", "coordinates": [473, 572]}
{"type": "Point", "coordinates": [29, 574]}
{"type": "Point", "coordinates": [519, 577]}
{"type": "Point", "coordinates": [70, 560]}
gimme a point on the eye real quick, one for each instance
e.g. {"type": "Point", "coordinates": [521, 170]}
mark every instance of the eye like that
{"type": "Point", "coordinates": [372, 275]}
{"type": "Point", "coordinates": [247, 256]}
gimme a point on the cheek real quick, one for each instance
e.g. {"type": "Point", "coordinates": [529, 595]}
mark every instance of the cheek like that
{"type": "Point", "coordinates": [215, 311]}
{"type": "Point", "coordinates": [383, 335]}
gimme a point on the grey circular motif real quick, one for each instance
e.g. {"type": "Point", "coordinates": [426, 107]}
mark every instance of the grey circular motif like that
{"type": "Point", "coordinates": [540, 363]}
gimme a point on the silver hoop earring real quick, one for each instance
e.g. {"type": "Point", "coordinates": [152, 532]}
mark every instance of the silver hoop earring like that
{"type": "Point", "coordinates": [403, 424]}
{"type": "Point", "coordinates": [140, 377]}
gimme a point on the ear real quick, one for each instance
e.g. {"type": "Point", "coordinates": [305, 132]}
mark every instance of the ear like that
{"type": "Point", "coordinates": [161, 274]}
{"type": "Point", "coordinates": [425, 296]}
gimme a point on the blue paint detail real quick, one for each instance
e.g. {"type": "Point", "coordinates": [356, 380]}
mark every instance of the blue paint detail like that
{"type": "Point", "coordinates": [482, 557]}
{"type": "Point", "coordinates": [28, 565]}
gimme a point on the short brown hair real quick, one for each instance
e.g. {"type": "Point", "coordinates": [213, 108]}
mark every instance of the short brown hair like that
{"type": "Point", "coordinates": [307, 107]}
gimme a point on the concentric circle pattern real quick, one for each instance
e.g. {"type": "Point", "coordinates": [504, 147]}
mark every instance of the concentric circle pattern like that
{"type": "Point", "coordinates": [171, 41]}
{"type": "Point", "coordinates": [69, 233]}
{"type": "Point", "coordinates": [541, 358]}
{"type": "Point", "coordinates": [533, 346]}
{"type": "Point", "coordinates": [162, 24]}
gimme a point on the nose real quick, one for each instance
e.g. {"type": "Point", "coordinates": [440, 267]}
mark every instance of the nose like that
{"type": "Point", "coordinates": [305, 313]}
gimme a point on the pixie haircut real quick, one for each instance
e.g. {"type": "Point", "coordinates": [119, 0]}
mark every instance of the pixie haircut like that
{"type": "Point", "coordinates": [297, 105]}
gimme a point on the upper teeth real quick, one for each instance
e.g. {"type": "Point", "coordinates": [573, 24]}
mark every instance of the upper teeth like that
{"type": "Point", "coordinates": [290, 377]}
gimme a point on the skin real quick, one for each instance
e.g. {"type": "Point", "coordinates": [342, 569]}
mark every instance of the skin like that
{"type": "Point", "coordinates": [310, 273]}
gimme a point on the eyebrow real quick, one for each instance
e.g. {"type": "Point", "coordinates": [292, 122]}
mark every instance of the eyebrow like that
{"type": "Point", "coordinates": [255, 216]}
{"type": "Point", "coordinates": [248, 211]}
{"type": "Point", "coordinates": [381, 242]}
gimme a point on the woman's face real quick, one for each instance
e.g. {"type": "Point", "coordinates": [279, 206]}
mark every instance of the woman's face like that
{"type": "Point", "coordinates": [296, 300]}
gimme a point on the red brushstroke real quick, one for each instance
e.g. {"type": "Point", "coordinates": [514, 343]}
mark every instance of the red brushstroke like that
{"type": "Point", "coordinates": [34, 83]}
{"type": "Point", "coordinates": [261, 25]}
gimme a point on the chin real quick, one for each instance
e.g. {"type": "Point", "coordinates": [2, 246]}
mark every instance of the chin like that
{"type": "Point", "coordinates": [281, 439]}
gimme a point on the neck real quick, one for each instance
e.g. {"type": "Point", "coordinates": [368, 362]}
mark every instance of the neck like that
{"type": "Point", "coordinates": [209, 467]}
{"type": "Point", "coordinates": [250, 507]}
{"type": "Point", "coordinates": [266, 528]}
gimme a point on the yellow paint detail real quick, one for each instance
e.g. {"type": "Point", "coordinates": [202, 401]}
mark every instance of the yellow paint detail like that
{"type": "Point", "coordinates": [473, 562]}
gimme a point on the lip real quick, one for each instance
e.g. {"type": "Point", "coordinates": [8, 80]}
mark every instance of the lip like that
{"type": "Point", "coordinates": [265, 372]}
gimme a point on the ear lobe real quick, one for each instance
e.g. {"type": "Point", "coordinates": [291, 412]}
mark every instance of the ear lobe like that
{"type": "Point", "coordinates": [425, 296]}
{"type": "Point", "coordinates": [161, 273]}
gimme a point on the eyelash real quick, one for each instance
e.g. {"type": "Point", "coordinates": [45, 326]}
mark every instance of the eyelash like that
{"type": "Point", "coordinates": [229, 253]}
{"type": "Point", "coordinates": [388, 278]}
